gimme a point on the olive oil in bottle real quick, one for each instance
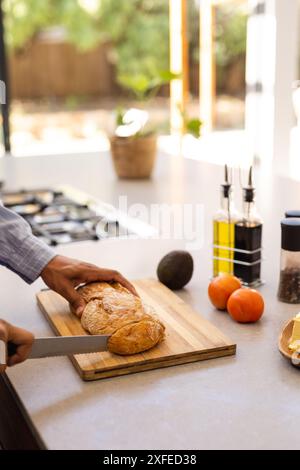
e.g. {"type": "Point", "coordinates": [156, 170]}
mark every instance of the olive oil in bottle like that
{"type": "Point", "coordinates": [223, 231]}
{"type": "Point", "coordinates": [248, 237]}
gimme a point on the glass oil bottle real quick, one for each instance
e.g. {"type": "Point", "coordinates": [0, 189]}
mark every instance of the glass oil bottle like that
{"type": "Point", "coordinates": [223, 231]}
{"type": "Point", "coordinates": [248, 239]}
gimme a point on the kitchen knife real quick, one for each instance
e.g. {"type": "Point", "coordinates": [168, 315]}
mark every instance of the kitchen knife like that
{"type": "Point", "coordinates": [58, 346]}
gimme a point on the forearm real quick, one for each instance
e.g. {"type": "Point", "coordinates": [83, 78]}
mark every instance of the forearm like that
{"type": "Point", "coordinates": [20, 251]}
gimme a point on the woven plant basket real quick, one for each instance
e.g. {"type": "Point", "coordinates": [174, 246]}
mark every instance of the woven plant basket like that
{"type": "Point", "coordinates": [134, 157]}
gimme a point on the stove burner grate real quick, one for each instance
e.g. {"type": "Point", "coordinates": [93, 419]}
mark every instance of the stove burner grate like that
{"type": "Point", "coordinates": [57, 219]}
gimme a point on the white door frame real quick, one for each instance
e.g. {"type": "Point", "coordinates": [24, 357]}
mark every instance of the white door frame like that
{"type": "Point", "coordinates": [271, 68]}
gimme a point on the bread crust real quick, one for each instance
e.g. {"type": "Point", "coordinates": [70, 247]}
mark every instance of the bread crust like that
{"type": "Point", "coordinates": [136, 337]}
{"type": "Point", "coordinates": [111, 309]}
{"type": "Point", "coordinates": [94, 290]}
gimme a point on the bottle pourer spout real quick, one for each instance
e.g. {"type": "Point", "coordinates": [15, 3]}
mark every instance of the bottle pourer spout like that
{"type": "Point", "coordinates": [249, 191]}
{"type": "Point", "coordinates": [250, 178]}
{"type": "Point", "coordinates": [226, 174]}
{"type": "Point", "coordinates": [226, 186]}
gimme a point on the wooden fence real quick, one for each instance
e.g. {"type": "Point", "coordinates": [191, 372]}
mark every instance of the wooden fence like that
{"type": "Point", "coordinates": [46, 69]}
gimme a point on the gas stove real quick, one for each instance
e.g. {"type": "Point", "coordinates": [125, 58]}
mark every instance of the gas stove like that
{"type": "Point", "coordinates": [66, 215]}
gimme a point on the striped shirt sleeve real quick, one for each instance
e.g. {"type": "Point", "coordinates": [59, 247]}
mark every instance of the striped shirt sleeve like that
{"type": "Point", "coordinates": [20, 251]}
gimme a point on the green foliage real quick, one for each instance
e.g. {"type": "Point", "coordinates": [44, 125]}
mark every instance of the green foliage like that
{"type": "Point", "coordinates": [25, 18]}
{"type": "Point", "coordinates": [136, 30]}
{"type": "Point", "coordinates": [145, 87]}
{"type": "Point", "coordinates": [120, 112]}
{"type": "Point", "coordinates": [81, 25]}
{"type": "Point", "coordinates": [230, 35]}
{"type": "Point", "coordinates": [193, 127]}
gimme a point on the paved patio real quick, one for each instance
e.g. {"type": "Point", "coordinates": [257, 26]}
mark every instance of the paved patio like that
{"type": "Point", "coordinates": [83, 126]}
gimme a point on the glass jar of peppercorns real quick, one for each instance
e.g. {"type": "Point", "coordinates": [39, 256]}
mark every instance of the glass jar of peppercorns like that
{"type": "Point", "coordinates": [289, 283]}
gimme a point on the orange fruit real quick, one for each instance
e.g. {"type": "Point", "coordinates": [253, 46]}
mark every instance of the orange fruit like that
{"type": "Point", "coordinates": [246, 305]}
{"type": "Point", "coordinates": [221, 288]}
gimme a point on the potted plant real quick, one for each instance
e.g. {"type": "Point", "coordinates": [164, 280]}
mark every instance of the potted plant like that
{"type": "Point", "coordinates": [134, 143]}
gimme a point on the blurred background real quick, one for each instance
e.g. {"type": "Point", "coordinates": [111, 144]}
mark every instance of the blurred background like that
{"type": "Point", "coordinates": [69, 60]}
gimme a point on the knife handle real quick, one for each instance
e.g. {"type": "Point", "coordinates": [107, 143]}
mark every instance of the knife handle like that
{"type": "Point", "coordinates": [6, 350]}
{"type": "Point", "coordinates": [3, 353]}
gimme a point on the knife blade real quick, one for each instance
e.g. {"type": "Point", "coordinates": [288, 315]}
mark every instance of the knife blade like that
{"type": "Point", "coordinates": [58, 346]}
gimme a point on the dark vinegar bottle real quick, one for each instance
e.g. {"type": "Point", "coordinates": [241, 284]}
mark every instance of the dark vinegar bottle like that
{"type": "Point", "coordinates": [248, 239]}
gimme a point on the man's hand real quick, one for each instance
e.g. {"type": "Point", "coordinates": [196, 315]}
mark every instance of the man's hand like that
{"type": "Point", "coordinates": [63, 275]}
{"type": "Point", "coordinates": [21, 338]}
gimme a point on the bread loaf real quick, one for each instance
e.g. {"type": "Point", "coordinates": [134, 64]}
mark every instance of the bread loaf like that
{"type": "Point", "coordinates": [111, 309]}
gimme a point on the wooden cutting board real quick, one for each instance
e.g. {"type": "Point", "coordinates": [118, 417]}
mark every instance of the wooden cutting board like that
{"type": "Point", "coordinates": [189, 337]}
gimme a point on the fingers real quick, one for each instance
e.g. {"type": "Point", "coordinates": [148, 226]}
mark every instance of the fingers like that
{"type": "Point", "coordinates": [21, 355]}
{"type": "Point", "coordinates": [3, 331]}
{"type": "Point", "coordinates": [23, 340]}
{"type": "Point", "coordinates": [64, 274]}
{"type": "Point", "coordinates": [71, 295]}
{"type": "Point", "coordinates": [123, 281]}
{"type": "Point", "coordinates": [99, 274]}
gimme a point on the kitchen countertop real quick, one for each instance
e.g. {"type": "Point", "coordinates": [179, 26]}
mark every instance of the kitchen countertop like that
{"type": "Point", "coordinates": [248, 401]}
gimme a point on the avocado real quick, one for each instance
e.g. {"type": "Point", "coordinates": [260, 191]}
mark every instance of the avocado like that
{"type": "Point", "coordinates": [175, 269]}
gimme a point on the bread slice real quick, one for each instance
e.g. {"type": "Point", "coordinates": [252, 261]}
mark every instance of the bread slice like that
{"type": "Point", "coordinates": [112, 309]}
{"type": "Point", "coordinates": [134, 338]}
